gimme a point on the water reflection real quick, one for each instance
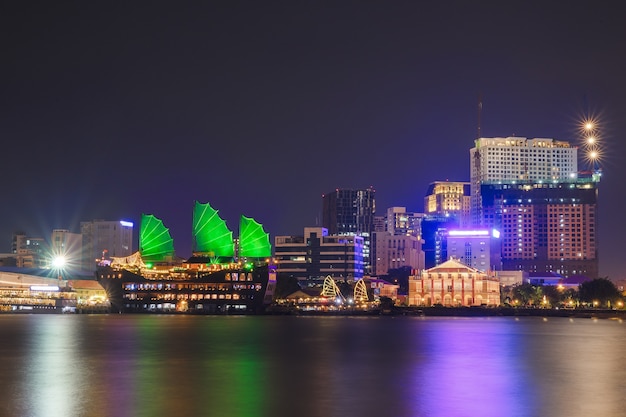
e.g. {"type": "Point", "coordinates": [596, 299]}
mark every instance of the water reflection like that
{"type": "Point", "coordinates": [53, 377]}
{"type": "Point", "coordinates": [310, 366]}
{"type": "Point", "coordinates": [473, 368]}
{"type": "Point", "coordinates": [577, 366]}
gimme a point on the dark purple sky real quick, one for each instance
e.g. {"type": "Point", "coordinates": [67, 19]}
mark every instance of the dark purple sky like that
{"type": "Point", "coordinates": [113, 109]}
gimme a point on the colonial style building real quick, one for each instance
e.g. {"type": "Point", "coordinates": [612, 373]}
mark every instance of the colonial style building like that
{"type": "Point", "coordinates": [453, 284]}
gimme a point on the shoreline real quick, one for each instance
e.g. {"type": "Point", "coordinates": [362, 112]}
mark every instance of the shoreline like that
{"type": "Point", "coordinates": [394, 311]}
{"type": "Point", "coordinates": [464, 312]}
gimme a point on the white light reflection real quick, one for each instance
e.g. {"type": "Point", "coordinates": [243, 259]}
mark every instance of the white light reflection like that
{"type": "Point", "coordinates": [54, 386]}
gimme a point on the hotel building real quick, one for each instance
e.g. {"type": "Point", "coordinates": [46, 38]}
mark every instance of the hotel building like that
{"type": "Point", "coordinates": [545, 227]}
{"type": "Point", "coordinates": [529, 190]}
{"type": "Point", "coordinates": [513, 159]}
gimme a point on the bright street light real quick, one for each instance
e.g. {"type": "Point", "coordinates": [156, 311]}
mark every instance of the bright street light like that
{"type": "Point", "coordinates": [58, 262]}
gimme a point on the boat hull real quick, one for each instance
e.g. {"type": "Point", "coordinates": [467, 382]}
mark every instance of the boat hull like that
{"type": "Point", "coordinates": [229, 291]}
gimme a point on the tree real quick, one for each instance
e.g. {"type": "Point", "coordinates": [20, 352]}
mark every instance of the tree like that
{"type": "Point", "coordinates": [552, 294]}
{"type": "Point", "coordinates": [599, 292]}
{"type": "Point", "coordinates": [386, 303]}
{"type": "Point", "coordinates": [285, 285]}
{"type": "Point", "coordinates": [527, 294]}
{"type": "Point", "coordinates": [570, 297]}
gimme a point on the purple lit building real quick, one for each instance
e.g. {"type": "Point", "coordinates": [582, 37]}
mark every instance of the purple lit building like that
{"type": "Point", "coordinates": [476, 248]}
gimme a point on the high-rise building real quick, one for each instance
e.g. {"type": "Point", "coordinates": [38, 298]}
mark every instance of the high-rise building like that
{"type": "Point", "coordinates": [400, 245]}
{"type": "Point", "coordinates": [351, 212]}
{"type": "Point", "coordinates": [316, 254]}
{"type": "Point", "coordinates": [545, 227]}
{"type": "Point", "coordinates": [446, 205]}
{"type": "Point", "coordinates": [530, 190]}
{"type": "Point", "coordinates": [448, 199]}
{"type": "Point", "coordinates": [513, 160]}
{"type": "Point", "coordinates": [434, 232]}
{"type": "Point", "coordinates": [105, 239]}
{"type": "Point", "coordinates": [379, 224]}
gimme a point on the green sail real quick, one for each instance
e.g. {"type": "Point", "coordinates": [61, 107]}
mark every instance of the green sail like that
{"type": "Point", "coordinates": [155, 242]}
{"type": "Point", "coordinates": [253, 241]}
{"type": "Point", "coordinates": [211, 235]}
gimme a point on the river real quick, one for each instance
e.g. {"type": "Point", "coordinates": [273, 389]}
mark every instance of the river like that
{"type": "Point", "coordinates": [245, 366]}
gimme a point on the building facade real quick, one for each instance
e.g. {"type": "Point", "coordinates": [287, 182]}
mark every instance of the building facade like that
{"type": "Point", "coordinates": [453, 284]}
{"type": "Point", "coordinates": [351, 213]}
{"type": "Point", "coordinates": [29, 252]}
{"type": "Point", "coordinates": [434, 231]}
{"type": "Point", "coordinates": [448, 199]}
{"type": "Point", "coordinates": [513, 159]}
{"type": "Point", "coordinates": [401, 222]}
{"type": "Point", "coordinates": [67, 245]}
{"type": "Point", "coordinates": [476, 248]}
{"type": "Point", "coordinates": [512, 278]}
{"type": "Point", "coordinates": [317, 254]}
{"type": "Point", "coordinates": [104, 239]}
{"type": "Point", "coordinates": [396, 251]}
{"type": "Point", "coordinates": [545, 227]}
{"type": "Point", "coordinates": [399, 244]}
{"type": "Point", "coordinates": [530, 190]}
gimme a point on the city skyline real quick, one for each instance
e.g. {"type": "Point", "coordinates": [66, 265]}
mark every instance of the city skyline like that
{"type": "Point", "coordinates": [114, 112]}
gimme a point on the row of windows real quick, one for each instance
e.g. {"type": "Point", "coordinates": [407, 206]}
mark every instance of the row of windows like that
{"type": "Point", "coordinates": [131, 286]}
{"type": "Point", "coordinates": [171, 297]}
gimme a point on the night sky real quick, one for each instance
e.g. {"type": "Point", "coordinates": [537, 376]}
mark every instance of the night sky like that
{"type": "Point", "coordinates": [113, 109]}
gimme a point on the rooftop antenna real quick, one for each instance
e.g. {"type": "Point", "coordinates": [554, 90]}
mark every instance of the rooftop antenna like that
{"type": "Point", "coordinates": [480, 110]}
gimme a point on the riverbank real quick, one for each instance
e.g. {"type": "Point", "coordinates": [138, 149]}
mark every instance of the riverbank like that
{"type": "Point", "coordinates": [506, 312]}
{"type": "Point", "coordinates": [460, 312]}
